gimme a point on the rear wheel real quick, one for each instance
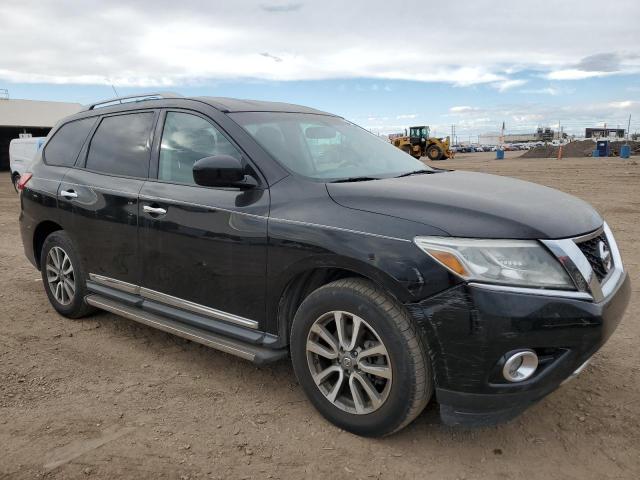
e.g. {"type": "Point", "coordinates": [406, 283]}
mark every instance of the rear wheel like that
{"type": "Point", "coordinates": [63, 276]}
{"type": "Point", "coordinates": [359, 359]}
{"type": "Point", "coordinates": [434, 152]}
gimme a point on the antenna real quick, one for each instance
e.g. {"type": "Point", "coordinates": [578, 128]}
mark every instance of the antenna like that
{"type": "Point", "coordinates": [115, 91]}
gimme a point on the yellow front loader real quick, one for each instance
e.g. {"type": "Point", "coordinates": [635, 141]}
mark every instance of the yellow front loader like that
{"type": "Point", "coordinates": [419, 144]}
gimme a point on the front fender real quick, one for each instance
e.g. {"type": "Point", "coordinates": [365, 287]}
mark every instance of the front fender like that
{"type": "Point", "coordinates": [396, 265]}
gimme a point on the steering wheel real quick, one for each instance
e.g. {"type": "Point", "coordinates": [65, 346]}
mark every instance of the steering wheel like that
{"type": "Point", "coordinates": [352, 156]}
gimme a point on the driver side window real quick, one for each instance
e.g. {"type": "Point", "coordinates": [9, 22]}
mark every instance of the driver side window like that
{"type": "Point", "coordinates": [187, 138]}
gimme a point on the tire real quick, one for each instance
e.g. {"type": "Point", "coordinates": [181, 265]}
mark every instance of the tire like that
{"type": "Point", "coordinates": [434, 152]}
{"type": "Point", "coordinates": [15, 178]}
{"type": "Point", "coordinates": [58, 246]}
{"type": "Point", "coordinates": [399, 398]}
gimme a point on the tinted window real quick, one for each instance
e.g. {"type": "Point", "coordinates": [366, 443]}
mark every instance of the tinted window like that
{"type": "Point", "coordinates": [120, 145]}
{"type": "Point", "coordinates": [64, 147]}
{"type": "Point", "coordinates": [186, 139]}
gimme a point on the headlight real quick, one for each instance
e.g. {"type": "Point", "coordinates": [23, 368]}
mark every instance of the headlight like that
{"type": "Point", "coordinates": [508, 262]}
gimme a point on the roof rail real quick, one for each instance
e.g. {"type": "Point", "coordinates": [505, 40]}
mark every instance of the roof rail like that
{"type": "Point", "coordinates": [132, 98]}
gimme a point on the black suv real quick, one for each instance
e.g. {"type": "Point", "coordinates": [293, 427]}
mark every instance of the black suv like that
{"type": "Point", "coordinates": [267, 229]}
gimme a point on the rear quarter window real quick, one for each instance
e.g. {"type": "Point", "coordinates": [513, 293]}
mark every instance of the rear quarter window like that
{"type": "Point", "coordinates": [63, 148]}
{"type": "Point", "coordinates": [121, 145]}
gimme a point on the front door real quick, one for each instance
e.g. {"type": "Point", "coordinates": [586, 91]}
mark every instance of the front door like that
{"type": "Point", "coordinates": [202, 249]}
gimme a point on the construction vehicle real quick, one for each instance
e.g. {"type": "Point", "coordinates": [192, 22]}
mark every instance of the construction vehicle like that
{"type": "Point", "coordinates": [419, 144]}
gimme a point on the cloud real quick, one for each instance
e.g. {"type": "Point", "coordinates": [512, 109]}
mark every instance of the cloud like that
{"type": "Point", "coordinates": [505, 85]}
{"type": "Point", "coordinates": [461, 109]}
{"type": "Point", "coordinates": [281, 7]}
{"type": "Point", "coordinates": [152, 43]}
{"type": "Point", "coordinates": [598, 65]}
{"type": "Point", "coordinates": [625, 104]}
{"type": "Point", "coordinates": [273, 57]}
{"type": "Point", "coordinates": [551, 90]}
{"type": "Point", "coordinates": [601, 62]}
{"type": "Point", "coordinates": [574, 74]}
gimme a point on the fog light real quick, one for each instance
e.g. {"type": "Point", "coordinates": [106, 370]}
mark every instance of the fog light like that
{"type": "Point", "coordinates": [520, 366]}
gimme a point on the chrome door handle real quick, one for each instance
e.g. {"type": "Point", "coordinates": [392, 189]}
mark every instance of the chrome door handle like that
{"type": "Point", "coordinates": [154, 210]}
{"type": "Point", "coordinates": [68, 194]}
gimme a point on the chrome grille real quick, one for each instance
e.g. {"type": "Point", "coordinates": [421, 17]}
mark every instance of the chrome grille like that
{"type": "Point", "coordinates": [590, 250]}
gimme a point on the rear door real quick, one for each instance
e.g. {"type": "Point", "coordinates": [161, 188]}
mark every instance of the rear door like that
{"type": "Point", "coordinates": [101, 195]}
{"type": "Point", "coordinates": [202, 249]}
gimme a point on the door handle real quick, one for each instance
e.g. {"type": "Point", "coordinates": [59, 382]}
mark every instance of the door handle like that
{"type": "Point", "coordinates": [68, 194]}
{"type": "Point", "coordinates": [154, 210]}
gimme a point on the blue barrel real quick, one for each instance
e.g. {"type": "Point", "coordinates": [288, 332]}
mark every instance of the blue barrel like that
{"type": "Point", "coordinates": [625, 151]}
{"type": "Point", "coordinates": [603, 148]}
{"type": "Point", "coordinates": [595, 153]}
{"type": "Point", "coordinates": [499, 154]}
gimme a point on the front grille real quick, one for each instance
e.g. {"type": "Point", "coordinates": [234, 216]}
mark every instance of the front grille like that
{"type": "Point", "coordinates": [590, 250]}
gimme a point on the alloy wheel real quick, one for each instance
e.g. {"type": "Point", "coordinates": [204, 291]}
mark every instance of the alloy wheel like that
{"type": "Point", "coordinates": [349, 362]}
{"type": "Point", "coordinates": [60, 276]}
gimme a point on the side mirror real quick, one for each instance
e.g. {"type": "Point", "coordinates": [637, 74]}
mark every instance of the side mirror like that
{"type": "Point", "coordinates": [221, 171]}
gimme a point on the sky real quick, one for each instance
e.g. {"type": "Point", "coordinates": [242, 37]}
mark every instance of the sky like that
{"type": "Point", "coordinates": [384, 65]}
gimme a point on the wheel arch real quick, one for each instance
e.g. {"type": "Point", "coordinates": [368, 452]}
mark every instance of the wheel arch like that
{"type": "Point", "coordinates": [301, 281]}
{"type": "Point", "coordinates": [41, 232]}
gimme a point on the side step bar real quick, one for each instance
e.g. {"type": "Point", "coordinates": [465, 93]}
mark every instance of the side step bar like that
{"type": "Point", "coordinates": [253, 353]}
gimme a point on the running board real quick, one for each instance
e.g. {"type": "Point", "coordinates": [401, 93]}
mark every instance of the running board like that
{"type": "Point", "coordinates": [253, 353]}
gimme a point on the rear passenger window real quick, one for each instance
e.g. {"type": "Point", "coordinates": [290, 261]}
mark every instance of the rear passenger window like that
{"type": "Point", "coordinates": [63, 149]}
{"type": "Point", "coordinates": [186, 139]}
{"type": "Point", "coordinates": [121, 145]}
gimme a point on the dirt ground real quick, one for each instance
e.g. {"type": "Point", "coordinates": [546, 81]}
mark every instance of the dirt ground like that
{"type": "Point", "coordinates": [105, 397]}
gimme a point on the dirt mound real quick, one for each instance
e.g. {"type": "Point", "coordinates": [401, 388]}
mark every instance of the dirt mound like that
{"type": "Point", "coordinates": [580, 148]}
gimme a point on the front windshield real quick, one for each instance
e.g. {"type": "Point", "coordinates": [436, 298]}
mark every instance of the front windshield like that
{"type": "Point", "coordinates": [325, 147]}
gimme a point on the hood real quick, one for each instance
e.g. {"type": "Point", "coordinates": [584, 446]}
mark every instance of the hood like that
{"type": "Point", "coordinates": [475, 205]}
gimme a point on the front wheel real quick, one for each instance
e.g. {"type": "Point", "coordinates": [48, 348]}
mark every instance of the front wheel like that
{"type": "Point", "coordinates": [359, 359]}
{"type": "Point", "coordinates": [434, 152]}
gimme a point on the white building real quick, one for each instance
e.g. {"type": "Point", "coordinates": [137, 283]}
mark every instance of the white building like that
{"type": "Point", "coordinates": [29, 116]}
{"type": "Point", "coordinates": [494, 138]}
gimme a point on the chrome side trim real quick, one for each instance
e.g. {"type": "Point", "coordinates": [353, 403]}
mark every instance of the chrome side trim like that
{"type": "Point", "coordinates": [197, 308]}
{"type": "Point", "coordinates": [156, 322]}
{"type": "Point", "coordinates": [173, 301]}
{"type": "Point", "coordinates": [113, 283]}
{"type": "Point", "coordinates": [533, 291]}
{"type": "Point", "coordinates": [339, 229]}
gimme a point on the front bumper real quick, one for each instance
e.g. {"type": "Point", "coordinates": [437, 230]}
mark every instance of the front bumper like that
{"type": "Point", "coordinates": [468, 329]}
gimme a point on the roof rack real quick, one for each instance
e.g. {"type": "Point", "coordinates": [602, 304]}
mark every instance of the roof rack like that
{"type": "Point", "coordinates": [132, 98]}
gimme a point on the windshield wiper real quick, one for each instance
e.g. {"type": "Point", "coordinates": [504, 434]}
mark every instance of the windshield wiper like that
{"type": "Point", "coordinates": [354, 179]}
{"type": "Point", "coordinates": [416, 172]}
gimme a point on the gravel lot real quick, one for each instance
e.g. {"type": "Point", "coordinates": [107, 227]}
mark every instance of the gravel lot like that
{"type": "Point", "coordinates": [105, 397]}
